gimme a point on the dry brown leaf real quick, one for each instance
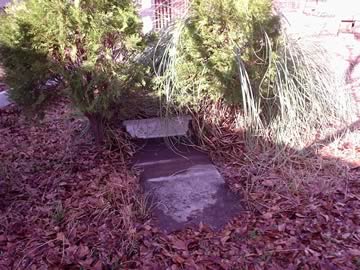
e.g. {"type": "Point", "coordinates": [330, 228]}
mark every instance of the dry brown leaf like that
{"type": "Point", "coordinates": [97, 266]}
{"type": "Point", "coordinates": [354, 252]}
{"type": "Point", "coordinates": [282, 227]}
{"type": "Point", "coordinates": [268, 215]}
{"type": "Point", "coordinates": [179, 244]}
{"type": "Point", "coordinates": [224, 239]}
{"type": "Point", "coordinates": [83, 251]}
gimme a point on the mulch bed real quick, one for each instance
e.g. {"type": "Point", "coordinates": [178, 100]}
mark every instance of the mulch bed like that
{"type": "Point", "coordinates": [66, 204]}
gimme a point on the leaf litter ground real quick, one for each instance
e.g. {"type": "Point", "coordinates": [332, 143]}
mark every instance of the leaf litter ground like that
{"type": "Point", "coordinates": [67, 205]}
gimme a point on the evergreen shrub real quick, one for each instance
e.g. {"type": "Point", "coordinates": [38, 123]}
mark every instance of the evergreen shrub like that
{"type": "Point", "coordinates": [91, 46]}
{"type": "Point", "coordinates": [214, 34]}
{"type": "Point", "coordinates": [235, 55]}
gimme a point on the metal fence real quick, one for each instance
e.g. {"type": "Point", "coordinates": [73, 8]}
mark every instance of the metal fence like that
{"type": "Point", "coordinates": [168, 10]}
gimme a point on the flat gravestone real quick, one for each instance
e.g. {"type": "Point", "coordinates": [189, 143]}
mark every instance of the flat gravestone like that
{"type": "Point", "coordinates": [185, 186]}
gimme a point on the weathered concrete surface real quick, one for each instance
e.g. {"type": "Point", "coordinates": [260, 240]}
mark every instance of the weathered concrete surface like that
{"type": "Point", "coordinates": [186, 187]}
{"type": "Point", "coordinates": [158, 127]}
{"type": "Point", "coordinates": [4, 100]}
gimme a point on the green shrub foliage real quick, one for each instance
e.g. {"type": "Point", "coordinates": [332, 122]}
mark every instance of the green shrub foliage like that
{"type": "Point", "coordinates": [90, 45]}
{"type": "Point", "coordinates": [215, 35]}
{"type": "Point", "coordinates": [235, 55]}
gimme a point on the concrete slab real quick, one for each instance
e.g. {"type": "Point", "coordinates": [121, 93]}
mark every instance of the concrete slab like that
{"type": "Point", "coordinates": [186, 187]}
{"type": "Point", "coordinates": [158, 127]}
{"type": "Point", "coordinates": [4, 100]}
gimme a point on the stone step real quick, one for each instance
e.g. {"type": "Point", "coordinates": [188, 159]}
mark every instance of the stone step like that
{"type": "Point", "coordinates": [158, 127]}
{"type": "Point", "coordinates": [185, 186]}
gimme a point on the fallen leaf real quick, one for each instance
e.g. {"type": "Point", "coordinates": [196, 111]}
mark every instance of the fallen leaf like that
{"type": "Point", "coordinates": [282, 227]}
{"type": "Point", "coordinates": [83, 251]}
{"type": "Point", "coordinates": [269, 183]}
{"type": "Point", "coordinates": [268, 215]}
{"type": "Point", "coordinates": [224, 239]}
{"type": "Point", "coordinates": [176, 258]}
{"type": "Point", "coordinates": [179, 244]}
{"type": "Point", "coordinates": [97, 266]}
{"type": "Point", "coordinates": [354, 252]}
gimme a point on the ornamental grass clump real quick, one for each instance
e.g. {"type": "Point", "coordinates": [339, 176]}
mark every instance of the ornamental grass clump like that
{"type": "Point", "coordinates": [236, 53]}
{"type": "Point", "coordinates": [91, 47]}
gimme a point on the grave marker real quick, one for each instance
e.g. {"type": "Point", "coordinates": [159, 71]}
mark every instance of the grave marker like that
{"type": "Point", "coordinates": [186, 187]}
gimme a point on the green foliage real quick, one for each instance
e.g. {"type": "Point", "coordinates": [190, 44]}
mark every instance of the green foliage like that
{"type": "Point", "coordinates": [26, 69]}
{"type": "Point", "coordinates": [212, 36]}
{"type": "Point", "coordinates": [91, 45]}
{"type": "Point", "coordinates": [233, 56]}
